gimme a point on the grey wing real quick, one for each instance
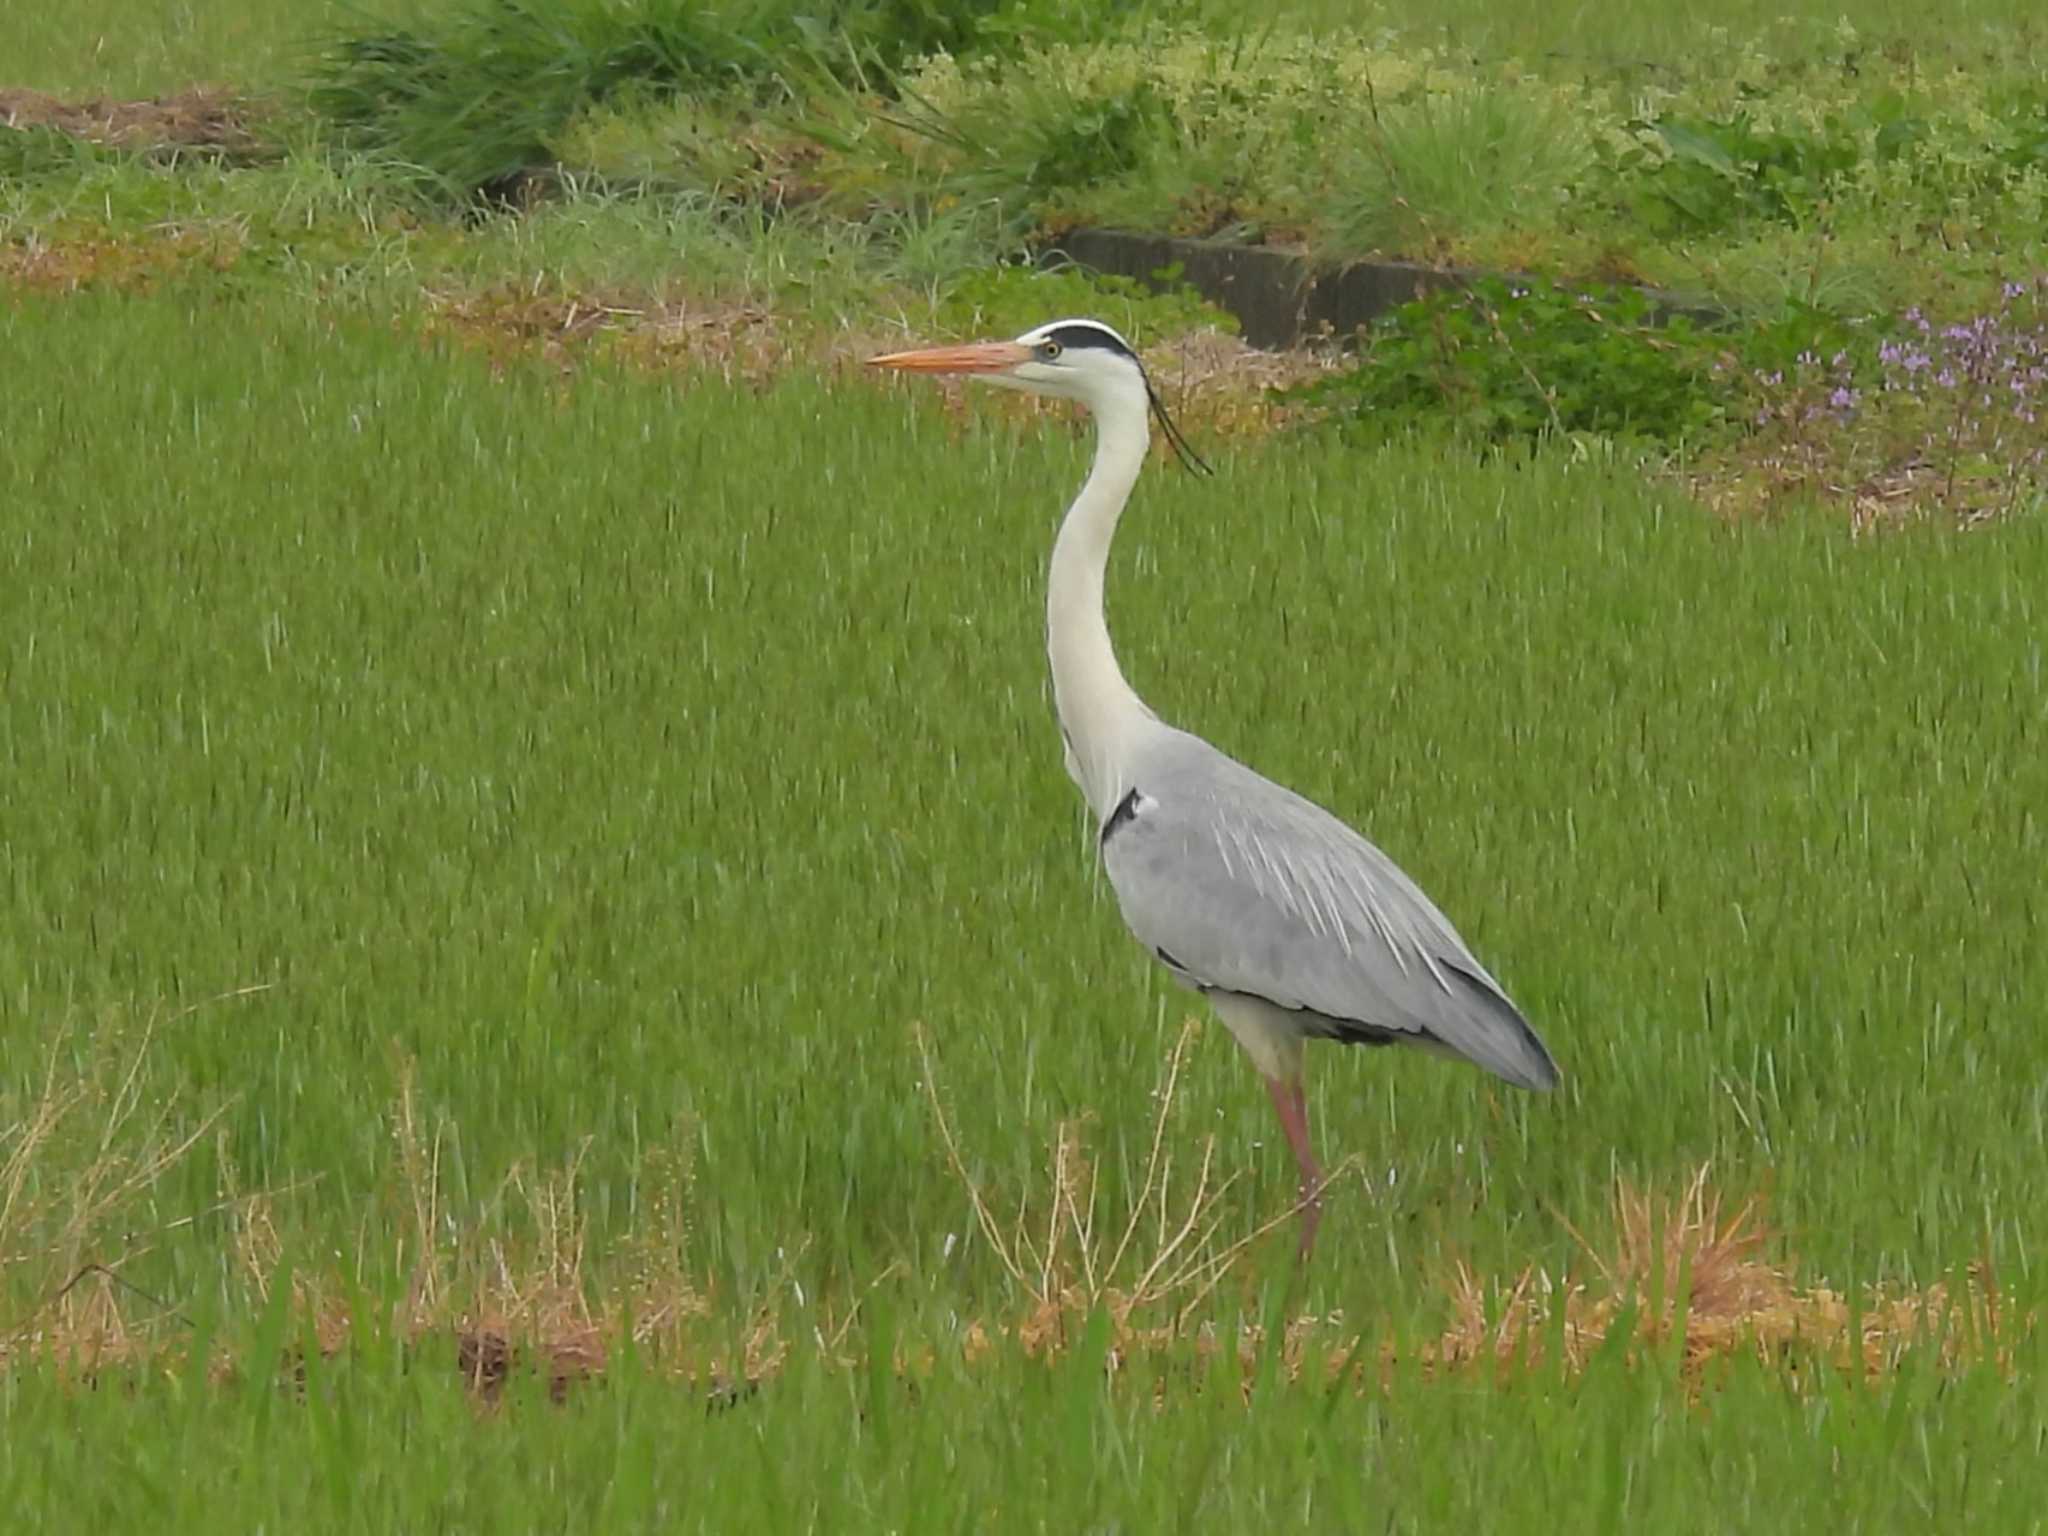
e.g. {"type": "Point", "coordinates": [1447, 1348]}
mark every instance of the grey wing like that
{"type": "Point", "coordinates": [1240, 885]}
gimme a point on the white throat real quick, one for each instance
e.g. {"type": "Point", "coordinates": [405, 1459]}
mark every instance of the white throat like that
{"type": "Point", "coordinates": [1099, 713]}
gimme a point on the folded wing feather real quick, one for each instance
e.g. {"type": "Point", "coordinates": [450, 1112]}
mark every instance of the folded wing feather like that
{"type": "Point", "coordinates": [1251, 888]}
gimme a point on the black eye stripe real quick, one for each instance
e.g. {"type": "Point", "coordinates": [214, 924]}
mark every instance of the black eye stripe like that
{"type": "Point", "coordinates": [1100, 337]}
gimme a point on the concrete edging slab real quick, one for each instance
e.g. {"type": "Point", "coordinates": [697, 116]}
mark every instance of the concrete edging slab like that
{"type": "Point", "coordinates": [1281, 298]}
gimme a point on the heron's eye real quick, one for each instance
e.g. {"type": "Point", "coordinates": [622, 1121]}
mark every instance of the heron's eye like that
{"type": "Point", "coordinates": [1048, 350]}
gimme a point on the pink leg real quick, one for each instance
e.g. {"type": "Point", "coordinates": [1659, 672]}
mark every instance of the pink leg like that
{"type": "Point", "coordinates": [1290, 1099]}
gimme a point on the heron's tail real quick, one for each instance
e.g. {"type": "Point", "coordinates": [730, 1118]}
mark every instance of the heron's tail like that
{"type": "Point", "coordinates": [1489, 1031]}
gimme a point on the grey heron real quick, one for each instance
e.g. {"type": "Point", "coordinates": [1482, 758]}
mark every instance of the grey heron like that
{"type": "Point", "coordinates": [1290, 923]}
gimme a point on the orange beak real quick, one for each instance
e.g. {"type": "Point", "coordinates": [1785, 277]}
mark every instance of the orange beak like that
{"type": "Point", "coordinates": [982, 357]}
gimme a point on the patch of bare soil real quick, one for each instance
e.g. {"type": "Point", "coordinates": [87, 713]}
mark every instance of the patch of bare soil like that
{"type": "Point", "coordinates": [213, 121]}
{"type": "Point", "coordinates": [1216, 385]}
{"type": "Point", "coordinates": [737, 340]}
{"type": "Point", "coordinates": [1914, 490]}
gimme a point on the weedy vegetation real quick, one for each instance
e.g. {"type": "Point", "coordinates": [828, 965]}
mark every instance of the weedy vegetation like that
{"type": "Point", "coordinates": [550, 975]}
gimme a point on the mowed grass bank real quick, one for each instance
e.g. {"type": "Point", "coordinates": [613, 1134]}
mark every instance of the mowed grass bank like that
{"type": "Point", "coordinates": [629, 763]}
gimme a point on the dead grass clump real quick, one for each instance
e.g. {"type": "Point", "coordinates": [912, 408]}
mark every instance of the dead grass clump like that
{"type": "Point", "coordinates": [1150, 1272]}
{"type": "Point", "coordinates": [1912, 491]}
{"type": "Point", "coordinates": [739, 342]}
{"type": "Point", "coordinates": [1686, 1274]}
{"type": "Point", "coordinates": [514, 1285]}
{"type": "Point", "coordinates": [80, 1159]}
{"type": "Point", "coordinates": [1222, 388]}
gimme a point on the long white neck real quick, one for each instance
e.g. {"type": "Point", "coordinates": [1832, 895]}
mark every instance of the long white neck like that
{"type": "Point", "coordinates": [1099, 713]}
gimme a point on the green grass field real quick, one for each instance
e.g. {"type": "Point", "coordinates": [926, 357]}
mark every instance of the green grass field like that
{"type": "Point", "coordinates": [547, 844]}
{"type": "Point", "coordinates": [1015, 1446]}
{"type": "Point", "coordinates": [631, 764]}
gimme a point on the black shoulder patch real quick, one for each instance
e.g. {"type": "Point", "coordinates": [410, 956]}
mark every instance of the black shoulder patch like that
{"type": "Point", "coordinates": [1126, 811]}
{"type": "Point", "coordinates": [1089, 333]}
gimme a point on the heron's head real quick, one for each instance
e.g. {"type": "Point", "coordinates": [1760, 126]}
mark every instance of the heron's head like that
{"type": "Point", "coordinates": [1082, 360]}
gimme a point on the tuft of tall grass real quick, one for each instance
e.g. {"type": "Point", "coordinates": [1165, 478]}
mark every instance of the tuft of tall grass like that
{"type": "Point", "coordinates": [468, 102]}
{"type": "Point", "coordinates": [1415, 176]}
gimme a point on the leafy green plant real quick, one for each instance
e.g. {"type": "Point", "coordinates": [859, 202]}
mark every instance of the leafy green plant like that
{"type": "Point", "coordinates": [1714, 174]}
{"type": "Point", "coordinates": [2020, 131]}
{"type": "Point", "coordinates": [1498, 361]}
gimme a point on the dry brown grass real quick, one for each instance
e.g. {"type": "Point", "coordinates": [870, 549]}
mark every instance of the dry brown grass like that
{"type": "Point", "coordinates": [82, 1157]}
{"type": "Point", "coordinates": [1693, 1278]}
{"type": "Point", "coordinates": [1738, 485]}
{"type": "Point", "coordinates": [1219, 388]}
{"type": "Point", "coordinates": [1689, 1277]}
{"type": "Point", "coordinates": [1150, 1271]}
{"type": "Point", "coordinates": [518, 1286]}
{"type": "Point", "coordinates": [215, 122]}
{"type": "Point", "coordinates": [736, 341]}
{"type": "Point", "coordinates": [122, 264]}
{"type": "Point", "coordinates": [80, 1162]}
